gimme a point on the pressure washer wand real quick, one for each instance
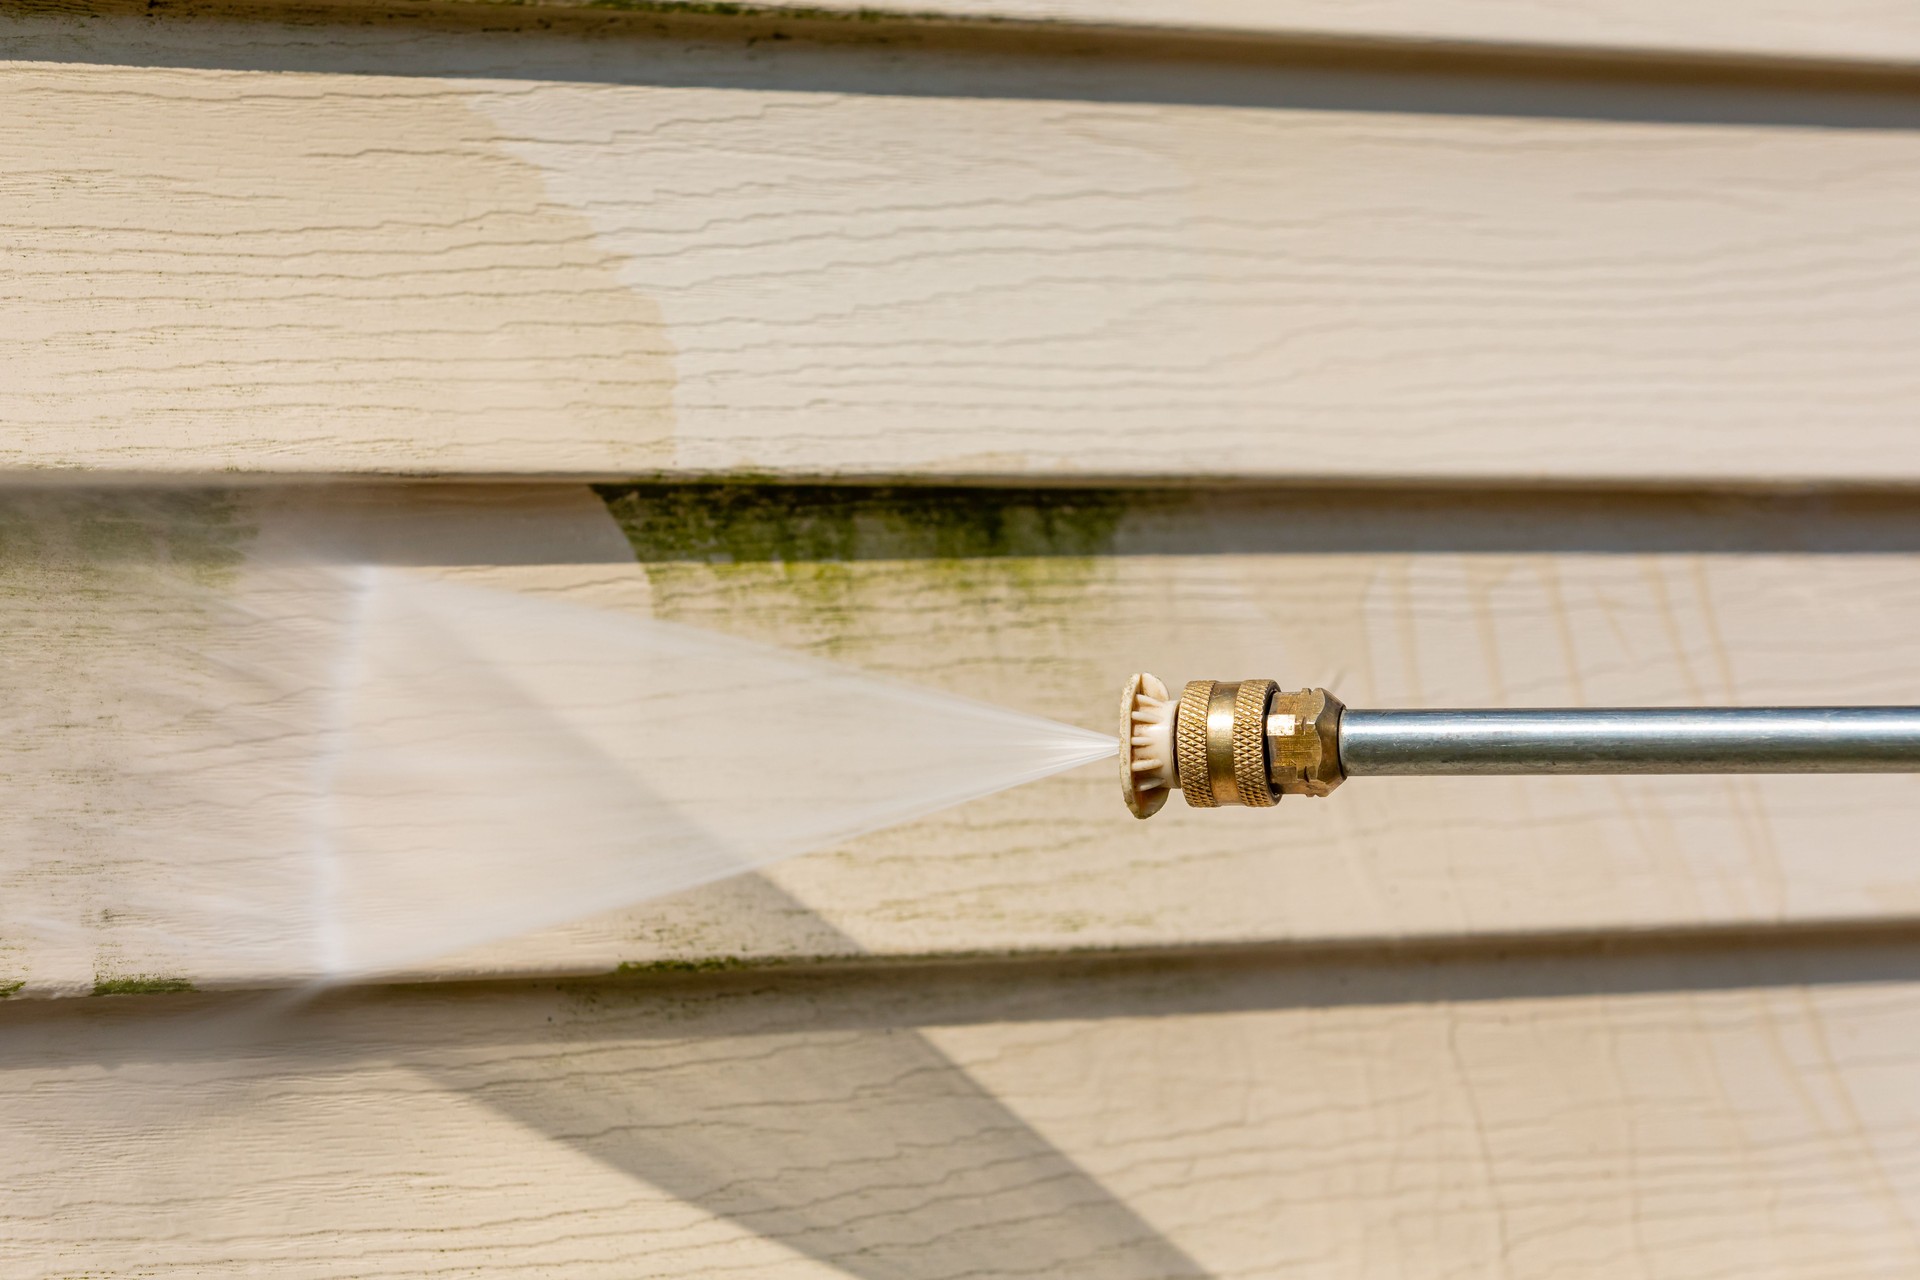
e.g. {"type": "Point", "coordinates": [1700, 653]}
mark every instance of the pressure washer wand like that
{"type": "Point", "coordinates": [1249, 742]}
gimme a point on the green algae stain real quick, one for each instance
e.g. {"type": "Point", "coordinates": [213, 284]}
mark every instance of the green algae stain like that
{"type": "Point", "coordinates": [101, 537]}
{"type": "Point", "coordinates": [141, 985]}
{"type": "Point", "coordinates": [836, 568]}
{"type": "Point", "coordinates": [206, 534]}
{"type": "Point", "coordinates": [10, 989]}
{"type": "Point", "coordinates": [793, 13]}
{"type": "Point", "coordinates": [660, 968]}
{"type": "Point", "coordinates": [741, 523]}
{"type": "Point", "coordinates": [201, 534]}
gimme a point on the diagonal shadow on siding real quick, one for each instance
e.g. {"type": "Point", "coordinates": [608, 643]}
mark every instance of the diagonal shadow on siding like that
{"type": "Point", "coordinates": [857, 1142]}
{"type": "Point", "coordinates": [864, 1146]}
{"type": "Point", "coordinates": [815, 1108]}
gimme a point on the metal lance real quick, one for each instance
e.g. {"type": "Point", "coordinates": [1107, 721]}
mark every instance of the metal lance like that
{"type": "Point", "coordinates": [1249, 742]}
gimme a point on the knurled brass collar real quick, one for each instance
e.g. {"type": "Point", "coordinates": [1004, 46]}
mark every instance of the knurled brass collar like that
{"type": "Point", "coordinates": [1190, 744]}
{"type": "Point", "coordinates": [1249, 742]}
{"type": "Point", "coordinates": [1220, 743]}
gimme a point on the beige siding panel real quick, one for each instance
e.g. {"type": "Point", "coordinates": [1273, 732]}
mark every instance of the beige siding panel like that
{"type": "Point", "coordinates": [1864, 30]}
{"type": "Point", "coordinates": [1678, 1115]}
{"type": "Point", "coordinates": [358, 248]}
{"type": "Point", "coordinates": [1392, 602]}
{"type": "Point", "coordinates": [1044, 603]}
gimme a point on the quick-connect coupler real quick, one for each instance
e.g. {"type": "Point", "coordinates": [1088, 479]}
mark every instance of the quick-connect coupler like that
{"type": "Point", "coordinates": [1249, 742]}
{"type": "Point", "coordinates": [1226, 742]}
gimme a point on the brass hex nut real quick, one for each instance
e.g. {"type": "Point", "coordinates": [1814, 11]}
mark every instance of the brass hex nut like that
{"type": "Point", "coordinates": [1303, 742]}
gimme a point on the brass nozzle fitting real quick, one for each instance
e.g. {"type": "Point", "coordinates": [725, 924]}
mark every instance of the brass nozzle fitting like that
{"type": "Point", "coordinates": [1227, 742]}
{"type": "Point", "coordinates": [1303, 742]}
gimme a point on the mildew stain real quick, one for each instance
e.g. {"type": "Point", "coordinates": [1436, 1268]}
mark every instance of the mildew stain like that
{"type": "Point", "coordinates": [743, 521]}
{"type": "Point", "coordinates": [835, 568]}
{"type": "Point", "coordinates": [671, 968]}
{"type": "Point", "coordinates": [414, 292]}
{"type": "Point", "coordinates": [142, 985]}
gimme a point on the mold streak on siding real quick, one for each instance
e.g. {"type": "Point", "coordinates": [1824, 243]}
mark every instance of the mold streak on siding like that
{"type": "Point", "coordinates": [1042, 600]}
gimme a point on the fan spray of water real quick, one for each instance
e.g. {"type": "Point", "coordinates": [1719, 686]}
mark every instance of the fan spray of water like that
{"type": "Point", "coordinates": [347, 770]}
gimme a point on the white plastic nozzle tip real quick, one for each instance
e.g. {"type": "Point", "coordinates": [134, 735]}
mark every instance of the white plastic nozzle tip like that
{"type": "Point", "coordinates": [1147, 768]}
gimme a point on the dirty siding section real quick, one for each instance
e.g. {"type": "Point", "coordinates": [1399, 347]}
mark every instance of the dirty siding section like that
{"type": "Point", "coordinates": [431, 292]}
{"type": "Point", "coordinates": [171, 653]}
{"type": "Point", "coordinates": [103, 592]}
{"type": "Point", "coordinates": [1035, 598]}
{"type": "Point", "coordinates": [825, 567]}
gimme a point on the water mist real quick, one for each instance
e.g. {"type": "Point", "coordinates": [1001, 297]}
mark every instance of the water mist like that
{"type": "Point", "coordinates": [327, 771]}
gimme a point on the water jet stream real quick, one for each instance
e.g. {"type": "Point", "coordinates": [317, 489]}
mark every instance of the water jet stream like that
{"type": "Point", "coordinates": [350, 770]}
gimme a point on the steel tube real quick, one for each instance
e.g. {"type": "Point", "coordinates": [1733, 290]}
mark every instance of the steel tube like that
{"type": "Point", "coordinates": [1632, 740]}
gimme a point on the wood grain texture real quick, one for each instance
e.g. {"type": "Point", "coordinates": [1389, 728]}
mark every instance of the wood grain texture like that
{"type": "Point", "coordinates": [1044, 601]}
{"type": "Point", "coordinates": [357, 248]}
{"type": "Point", "coordinates": [1653, 1114]}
